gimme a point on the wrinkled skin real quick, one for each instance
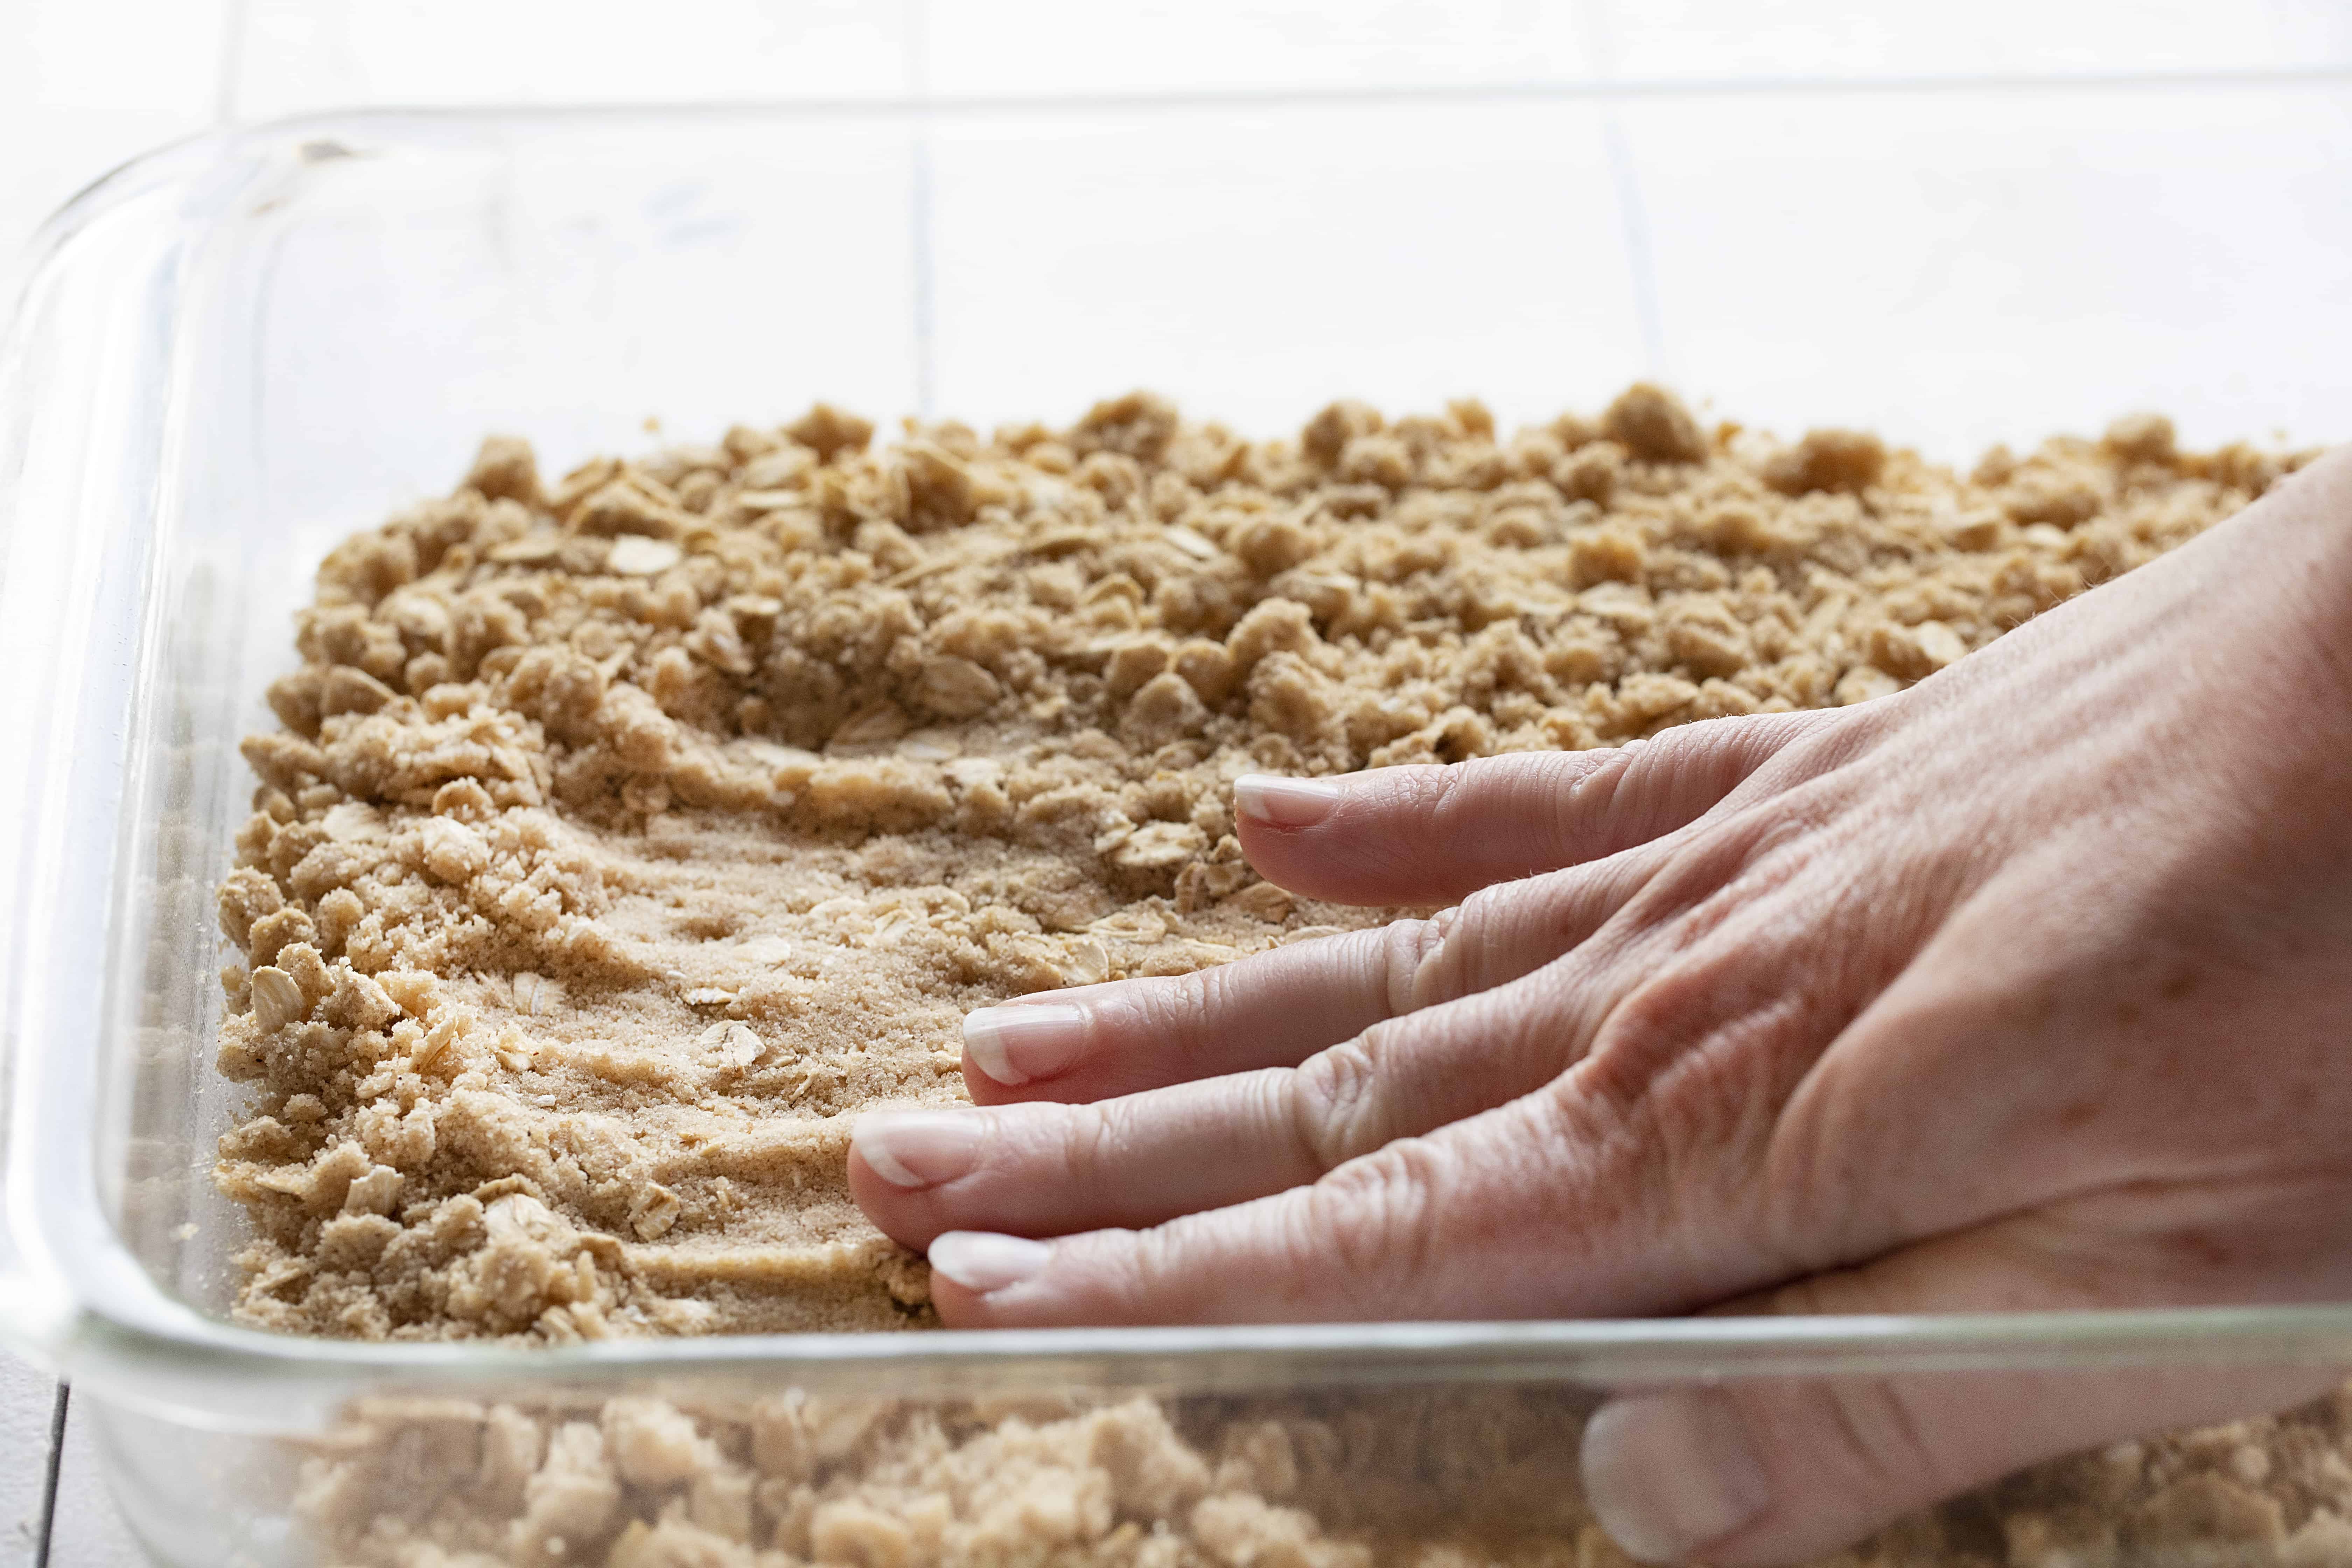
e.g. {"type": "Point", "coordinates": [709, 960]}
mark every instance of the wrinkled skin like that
{"type": "Point", "coordinates": [2030, 987]}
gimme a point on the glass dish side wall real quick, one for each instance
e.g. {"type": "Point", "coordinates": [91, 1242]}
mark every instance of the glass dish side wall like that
{"type": "Point", "coordinates": [87, 373]}
{"type": "Point", "coordinates": [691, 1471]}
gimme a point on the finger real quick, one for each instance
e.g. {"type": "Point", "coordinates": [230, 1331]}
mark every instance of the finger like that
{"type": "Point", "coordinates": [1277, 1008]}
{"type": "Point", "coordinates": [1782, 1470]}
{"type": "Point", "coordinates": [1271, 1009]}
{"type": "Point", "coordinates": [1048, 1169]}
{"type": "Point", "coordinates": [1469, 1221]}
{"type": "Point", "coordinates": [1435, 835]}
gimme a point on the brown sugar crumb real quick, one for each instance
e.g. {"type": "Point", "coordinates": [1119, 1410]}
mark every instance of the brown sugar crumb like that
{"type": "Point", "coordinates": [1828, 460]}
{"type": "Point", "coordinates": [626, 835]}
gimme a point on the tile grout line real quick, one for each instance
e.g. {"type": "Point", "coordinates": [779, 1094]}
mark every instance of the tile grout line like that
{"type": "Point", "coordinates": [58, 1407]}
{"type": "Point", "coordinates": [1634, 224]}
{"type": "Point", "coordinates": [1632, 215]}
{"type": "Point", "coordinates": [229, 72]}
{"type": "Point", "coordinates": [923, 260]}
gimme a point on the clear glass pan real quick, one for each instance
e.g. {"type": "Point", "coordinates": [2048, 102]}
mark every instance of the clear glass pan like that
{"type": "Point", "coordinates": [237, 351]}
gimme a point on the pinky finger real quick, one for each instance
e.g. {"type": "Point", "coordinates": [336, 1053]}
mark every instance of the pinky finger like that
{"type": "Point", "coordinates": [1754, 1472]}
{"type": "Point", "coordinates": [1751, 1473]}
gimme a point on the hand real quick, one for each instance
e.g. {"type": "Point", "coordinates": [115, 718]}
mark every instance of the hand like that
{"type": "Point", "coordinates": [2028, 986]}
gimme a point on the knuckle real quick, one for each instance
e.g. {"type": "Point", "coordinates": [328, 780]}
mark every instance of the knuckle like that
{"type": "Point", "coordinates": [1710, 1057]}
{"type": "Point", "coordinates": [1374, 1218]}
{"type": "Point", "coordinates": [1413, 956]}
{"type": "Point", "coordinates": [1582, 811]}
{"type": "Point", "coordinates": [1098, 1141]}
{"type": "Point", "coordinates": [1489, 908]}
{"type": "Point", "coordinates": [1460, 956]}
{"type": "Point", "coordinates": [1136, 1267]}
{"type": "Point", "coordinates": [1165, 1014]}
{"type": "Point", "coordinates": [1873, 1424]}
{"type": "Point", "coordinates": [1484, 939]}
{"type": "Point", "coordinates": [1532, 796]}
{"type": "Point", "coordinates": [1335, 1102]}
{"type": "Point", "coordinates": [1203, 993]}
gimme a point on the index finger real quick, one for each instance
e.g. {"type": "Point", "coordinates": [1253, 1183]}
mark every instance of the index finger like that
{"type": "Point", "coordinates": [1271, 1009]}
{"type": "Point", "coordinates": [1435, 835]}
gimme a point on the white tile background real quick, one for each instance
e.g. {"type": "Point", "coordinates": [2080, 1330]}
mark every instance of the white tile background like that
{"type": "Point", "coordinates": [86, 84]}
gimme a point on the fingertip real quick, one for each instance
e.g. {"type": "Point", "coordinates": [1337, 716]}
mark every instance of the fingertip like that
{"type": "Point", "coordinates": [984, 1089]}
{"type": "Point", "coordinates": [973, 1270]}
{"type": "Point", "coordinates": [900, 1159]}
{"type": "Point", "coordinates": [914, 1149]}
{"type": "Point", "coordinates": [1312, 849]}
{"type": "Point", "coordinates": [1077, 1278]}
{"type": "Point", "coordinates": [883, 1202]}
{"type": "Point", "coordinates": [1669, 1473]}
{"type": "Point", "coordinates": [1015, 1045]}
{"type": "Point", "coordinates": [1278, 802]}
{"type": "Point", "coordinates": [880, 1162]}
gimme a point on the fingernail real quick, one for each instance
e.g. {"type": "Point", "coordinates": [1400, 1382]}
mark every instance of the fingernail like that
{"type": "Point", "coordinates": [1285, 803]}
{"type": "Point", "coordinates": [914, 1149]}
{"type": "Point", "coordinates": [1670, 1473]}
{"type": "Point", "coordinates": [1015, 1044]}
{"type": "Point", "coordinates": [983, 1261]}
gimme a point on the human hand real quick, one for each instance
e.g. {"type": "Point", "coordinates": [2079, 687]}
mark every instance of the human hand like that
{"type": "Point", "coordinates": [2028, 986]}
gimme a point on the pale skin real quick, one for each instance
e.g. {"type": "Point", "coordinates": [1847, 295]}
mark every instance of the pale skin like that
{"type": "Point", "coordinates": [2028, 986]}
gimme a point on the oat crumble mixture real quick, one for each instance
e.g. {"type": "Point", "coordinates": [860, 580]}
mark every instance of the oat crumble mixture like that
{"type": "Point", "coordinates": [626, 835]}
{"type": "Point", "coordinates": [1459, 1478]}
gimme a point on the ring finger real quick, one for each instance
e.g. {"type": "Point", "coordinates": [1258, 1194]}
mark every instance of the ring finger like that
{"type": "Point", "coordinates": [1047, 1169]}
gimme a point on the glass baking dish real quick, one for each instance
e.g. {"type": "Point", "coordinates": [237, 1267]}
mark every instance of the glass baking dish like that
{"type": "Point", "coordinates": [235, 351]}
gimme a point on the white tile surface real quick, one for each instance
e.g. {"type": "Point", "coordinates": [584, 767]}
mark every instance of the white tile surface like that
{"type": "Point", "coordinates": [86, 84]}
{"type": "Point", "coordinates": [1697, 39]}
{"type": "Point", "coordinates": [303, 55]}
{"type": "Point", "coordinates": [1178, 45]}
{"type": "Point", "coordinates": [87, 1529]}
{"type": "Point", "coordinates": [26, 1398]}
{"type": "Point", "coordinates": [1261, 264]}
{"type": "Point", "coordinates": [2010, 265]}
{"type": "Point", "coordinates": [566, 289]}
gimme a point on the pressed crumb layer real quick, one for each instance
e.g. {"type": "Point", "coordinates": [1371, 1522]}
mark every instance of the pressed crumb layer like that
{"type": "Point", "coordinates": [624, 835]}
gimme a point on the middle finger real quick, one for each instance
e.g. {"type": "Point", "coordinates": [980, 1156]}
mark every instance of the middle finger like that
{"type": "Point", "coordinates": [1278, 1008]}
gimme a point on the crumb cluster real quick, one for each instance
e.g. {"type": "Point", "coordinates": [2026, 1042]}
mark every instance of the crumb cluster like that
{"type": "Point", "coordinates": [1461, 1478]}
{"type": "Point", "coordinates": [625, 834]}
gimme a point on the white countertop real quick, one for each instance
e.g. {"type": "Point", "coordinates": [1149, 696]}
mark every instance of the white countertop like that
{"type": "Point", "coordinates": [87, 84]}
